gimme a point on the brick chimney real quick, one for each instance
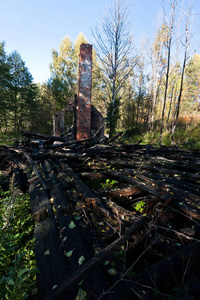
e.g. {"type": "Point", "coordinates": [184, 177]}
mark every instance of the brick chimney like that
{"type": "Point", "coordinates": [84, 92]}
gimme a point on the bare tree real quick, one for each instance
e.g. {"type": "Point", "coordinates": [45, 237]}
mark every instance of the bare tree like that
{"type": "Point", "coordinates": [186, 57]}
{"type": "Point", "coordinates": [114, 48]}
{"type": "Point", "coordinates": [170, 26]}
{"type": "Point", "coordinates": [157, 61]}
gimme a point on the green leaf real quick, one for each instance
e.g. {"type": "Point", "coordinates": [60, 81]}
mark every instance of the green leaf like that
{"type": "Point", "coordinates": [81, 260]}
{"type": "Point", "coordinates": [17, 235]}
{"type": "Point", "coordinates": [31, 252]}
{"type": "Point", "coordinates": [47, 252]}
{"type": "Point", "coordinates": [68, 254]}
{"type": "Point", "coordinates": [112, 271]}
{"type": "Point", "coordinates": [54, 287]}
{"type": "Point", "coordinates": [81, 295]}
{"type": "Point", "coordinates": [22, 272]}
{"type": "Point", "coordinates": [72, 225]}
{"type": "Point", "coordinates": [10, 281]}
{"type": "Point", "coordinates": [81, 282]}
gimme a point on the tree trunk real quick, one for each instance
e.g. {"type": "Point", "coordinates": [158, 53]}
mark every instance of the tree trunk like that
{"type": "Point", "coordinates": [173, 5]}
{"type": "Point", "coordinates": [182, 76]}
{"type": "Point", "coordinates": [170, 104]}
{"type": "Point", "coordinates": [179, 98]}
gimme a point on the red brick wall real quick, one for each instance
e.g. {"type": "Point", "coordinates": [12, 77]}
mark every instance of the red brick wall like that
{"type": "Point", "coordinates": [84, 92]}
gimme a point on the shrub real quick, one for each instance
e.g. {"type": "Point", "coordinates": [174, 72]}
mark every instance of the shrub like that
{"type": "Point", "coordinates": [166, 138]}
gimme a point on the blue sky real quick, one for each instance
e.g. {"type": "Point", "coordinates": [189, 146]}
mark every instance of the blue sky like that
{"type": "Point", "coordinates": [35, 27]}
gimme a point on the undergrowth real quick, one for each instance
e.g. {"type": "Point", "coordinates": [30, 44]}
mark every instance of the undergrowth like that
{"type": "Point", "coordinates": [187, 135]}
{"type": "Point", "coordinates": [8, 138]}
{"type": "Point", "coordinates": [17, 261]}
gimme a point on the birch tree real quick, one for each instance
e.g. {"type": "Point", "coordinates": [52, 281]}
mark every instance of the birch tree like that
{"type": "Point", "coordinates": [114, 48]}
{"type": "Point", "coordinates": [158, 68]}
{"type": "Point", "coordinates": [185, 59]}
{"type": "Point", "coordinates": [170, 26]}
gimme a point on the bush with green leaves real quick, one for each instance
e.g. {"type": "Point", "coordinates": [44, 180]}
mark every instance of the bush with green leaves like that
{"type": "Point", "coordinates": [17, 261]}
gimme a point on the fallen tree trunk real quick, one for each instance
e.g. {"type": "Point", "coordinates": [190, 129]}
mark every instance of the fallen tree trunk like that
{"type": "Point", "coordinates": [37, 173]}
{"type": "Point", "coordinates": [42, 136]}
{"type": "Point", "coordinates": [91, 140]}
{"type": "Point", "coordinates": [114, 137]}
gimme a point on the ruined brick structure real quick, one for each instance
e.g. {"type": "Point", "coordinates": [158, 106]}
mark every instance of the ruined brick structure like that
{"type": "Point", "coordinates": [87, 119]}
{"type": "Point", "coordinates": [58, 123]}
{"type": "Point", "coordinates": [59, 120]}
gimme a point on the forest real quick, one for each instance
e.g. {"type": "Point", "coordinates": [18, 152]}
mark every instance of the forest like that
{"type": "Point", "coordinates": [113, 220]}
{"type": "Point", "coordinates": [153, 92]}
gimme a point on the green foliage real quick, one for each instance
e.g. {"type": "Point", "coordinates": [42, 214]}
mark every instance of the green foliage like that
{"type": "Point", "coordinates": [99, 184]}
{"type": "Point", "coordinates": [8, 138]}
{"type": "Point", "coordinates": [108, 184]}
{"type": "Point", "coordinates": [166, 138]}
{"type": "Point", "coordinates": [148, 137]}
{"type": "Point", "coordinates": [191, 87]}
{"type": "Point", "coordinates": [41, 117]}
{"type": "Point", "coordinates": [17, 262]}
{"type": "Point", "coordinates": [188, 136]}
{"type": "Point", "coordinates": [139, 206]}
{"type": "Point", "coordinates": [17, 92]}
{"type": "Point", "coordinates": [112, 115]}
{"type": "Point", "coordinates": [64, 71]}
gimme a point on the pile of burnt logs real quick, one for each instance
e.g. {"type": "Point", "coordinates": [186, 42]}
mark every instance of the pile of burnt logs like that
{"type": "Point", "coordinates": [113, 220]}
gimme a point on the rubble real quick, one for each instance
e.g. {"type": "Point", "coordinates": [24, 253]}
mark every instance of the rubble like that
{"type": "Point", "coordinates": [113, 220]}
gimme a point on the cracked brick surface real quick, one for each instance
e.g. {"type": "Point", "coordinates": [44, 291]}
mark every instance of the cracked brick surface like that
{"type": "Point", "coordinates": [84, 92]}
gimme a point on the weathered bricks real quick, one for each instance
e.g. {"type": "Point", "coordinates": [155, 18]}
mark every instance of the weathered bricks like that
{"type": "Point", "coordinates": [84, 92]}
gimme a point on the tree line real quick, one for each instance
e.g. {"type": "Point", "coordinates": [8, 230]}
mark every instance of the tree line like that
{"type": "Point", "coordinates": [148, 89]}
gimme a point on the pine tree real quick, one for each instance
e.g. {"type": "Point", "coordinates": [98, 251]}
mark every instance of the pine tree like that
{"type": "Point", "coordinates": [4, 85]}
{"type": "Point", "coordinates": [191, 92]}
{"type": "Point", "coordinates": [21, 91]}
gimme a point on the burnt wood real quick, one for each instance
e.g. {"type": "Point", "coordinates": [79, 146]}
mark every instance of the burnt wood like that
{"type": "Point", "coordinates": [84, 219]}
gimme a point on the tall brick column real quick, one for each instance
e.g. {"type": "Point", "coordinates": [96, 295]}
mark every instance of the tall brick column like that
{"type": "Point", "coordinates": [84, 92]}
